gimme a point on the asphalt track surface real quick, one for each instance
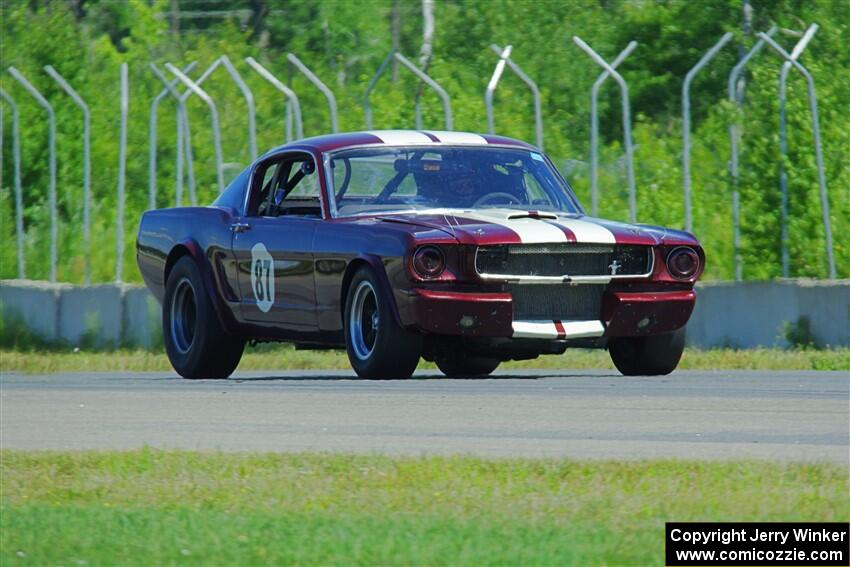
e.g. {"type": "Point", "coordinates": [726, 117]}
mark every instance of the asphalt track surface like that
{"type": "Point", "coordinates": [786, 416]}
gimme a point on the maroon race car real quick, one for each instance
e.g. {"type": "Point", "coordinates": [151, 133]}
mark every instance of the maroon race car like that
{"type": "Point", "coordinates": [463, 249]}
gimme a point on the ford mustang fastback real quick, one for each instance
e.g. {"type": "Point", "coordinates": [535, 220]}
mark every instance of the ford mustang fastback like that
{"type": "Point", "coordinates": [463, 249]}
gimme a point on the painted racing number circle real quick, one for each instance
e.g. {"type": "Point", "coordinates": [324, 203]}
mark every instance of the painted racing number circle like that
{"type": "Point", "coordinates": [262, 276]}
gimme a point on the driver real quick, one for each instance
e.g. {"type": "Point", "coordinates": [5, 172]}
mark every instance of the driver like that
{"type": "Point", "coordinates": [457, 186]}
{"type": "Point", "coordinates": [458, 182]}
{"type": "Point", "coordinates": [464, 189]}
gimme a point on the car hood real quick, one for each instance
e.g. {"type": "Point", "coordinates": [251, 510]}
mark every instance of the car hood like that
{"type": "Point", "coordinates": [511, 226]}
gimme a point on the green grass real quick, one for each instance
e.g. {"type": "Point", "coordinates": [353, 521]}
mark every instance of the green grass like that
{"type": "Point", "coordinates": [287, 358]}
{"type": "Point", "coordinates": [150, 507]}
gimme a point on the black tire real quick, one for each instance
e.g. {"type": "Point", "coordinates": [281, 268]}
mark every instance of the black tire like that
{"type": "Point", "coordinates": [653, 355]}
{"type": "Point", "coordinates": [378, 347]}
{"type": "Point", "coordinates": [460, 366]}
{"type": "Point", "coordinates": [197, 345]}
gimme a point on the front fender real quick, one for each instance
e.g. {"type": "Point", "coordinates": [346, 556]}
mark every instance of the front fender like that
{"type": "Point", "coordinates": [380, 269]}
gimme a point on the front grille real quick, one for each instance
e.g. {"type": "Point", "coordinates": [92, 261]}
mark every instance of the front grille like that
{"type": "Point", "coordinates": [556, 301]}
{"type": "Point", "coordinates": [556, 260]}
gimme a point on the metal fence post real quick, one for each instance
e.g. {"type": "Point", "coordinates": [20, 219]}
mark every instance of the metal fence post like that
{"type": "Point", "coordinates": [367, 108]}
{"type": "Point", "coordinates": [813, 109]}
{"type": "Point", "coordinates": [491, 86]}
{"type": "Point", "coordinates": [627, 123]}
{"type": "Point", "coordinates": [184, 136]}
{"type": "Point", "coordinates": [78, 100]}
{"type": "Point", "coordinates": [152, 137]}
{"type": "Point", "coordinates": [686, 124]}
{"type": "Point", "coordinates": [734, 136]}
{"type": "Point", "coordinates": [783, 144]}
{"type": "Point", "coordinates": [289, 93]}
{"type": "Point", "coordinates": [213, 117]}
{"type": "Point", "coordinates": [535, 93]}
{"type": "Point", "coordinates": [51, 141]}
{"type": "Point", "coordinates": [288, 121]}
{"type": "Point", "coordinates": [393, 54]}
{"type": "Point", "coordinates": [183, 141]}
{"type": "Point", "coordinates": [122, 173]}
{"type": "Point", "coordinates": [329, 95]}
{"type": "Point", "coordinates": [594, 126]}
{"type": "Point", "coordinates": [16, 164]}
{"type": "Point", "coordinates": [249, 102]}
{"type": "Point", "coordinates": [444, 97]}
{"type": "Point", "coordinates": [225, 62]}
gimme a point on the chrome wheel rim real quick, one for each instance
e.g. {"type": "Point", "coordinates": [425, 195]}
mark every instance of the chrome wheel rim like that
{"type": "Point", "coordinates": [183, 316]}
{"type": "Point", "coordinates": [364, 320]}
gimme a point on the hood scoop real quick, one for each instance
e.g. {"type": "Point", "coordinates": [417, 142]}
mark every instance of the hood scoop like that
{"type": "Point", "coordinates": [533, 215]}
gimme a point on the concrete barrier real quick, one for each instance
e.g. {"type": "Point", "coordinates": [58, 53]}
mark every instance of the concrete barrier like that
{"type": "Point", "coordinates": [34, 304]}
{"type": "Point", "coordinates": [91, 315]}
{"type": "Point", "coordinates": [751, 314]}
{"type": "Point", "coordinates": [99, 316]}
{"type": "Point", "coordinates": [142, 318]}
{"type": "Point", "coordinates": [735, 314]}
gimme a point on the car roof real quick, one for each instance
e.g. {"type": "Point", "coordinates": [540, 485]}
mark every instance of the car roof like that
{"type": "Point", "coordinates": [330, 142]}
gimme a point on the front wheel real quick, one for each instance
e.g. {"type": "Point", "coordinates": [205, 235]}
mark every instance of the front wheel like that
{"type": "Point", "coordinates": [196, 343]}
{"type": "Point", "coordinates": [653, 355]}
{"type": "Point", "coordinates": [378, 347]}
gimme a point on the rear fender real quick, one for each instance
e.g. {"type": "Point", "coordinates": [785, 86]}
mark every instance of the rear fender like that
{"type": "Point", "coordinates": [190, 247]}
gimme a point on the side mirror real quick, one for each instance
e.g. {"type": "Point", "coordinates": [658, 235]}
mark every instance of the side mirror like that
{"type": "Point", "coordinates": [308, 167]}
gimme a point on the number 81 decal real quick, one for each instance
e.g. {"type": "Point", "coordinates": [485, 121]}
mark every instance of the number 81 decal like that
{"type": "Point", "coordinates": [262, 276]}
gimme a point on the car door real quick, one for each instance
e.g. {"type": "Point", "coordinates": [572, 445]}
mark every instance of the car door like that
{"type": "Point", "coordinates": [273, 248]}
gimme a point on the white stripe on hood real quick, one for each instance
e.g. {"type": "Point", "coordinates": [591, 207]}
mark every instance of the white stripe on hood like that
{"type": "Point", "coordinates": [529, 230]}
{"type": "Point", "coordinates": [587, 232]}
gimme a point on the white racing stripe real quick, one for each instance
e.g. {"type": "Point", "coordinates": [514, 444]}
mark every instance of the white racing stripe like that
{"type": "Point", "coordinates": [535, 330]}
{"type": "Point", "coordinates": [447, 137]}
{"type": "Point", "coordinates": [548, 330]}
{"type": "Point", "coordinates": [530, 231]}
{"type": "Point", "coordinates": [583, 329]}
{"type": "Point", "coordinates": [587, 232]}
{"type": "Point", "coordinates": [401, 137]}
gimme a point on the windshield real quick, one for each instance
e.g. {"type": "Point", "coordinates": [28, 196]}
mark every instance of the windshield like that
{"type": "Point", "coordinates": [375, 180]}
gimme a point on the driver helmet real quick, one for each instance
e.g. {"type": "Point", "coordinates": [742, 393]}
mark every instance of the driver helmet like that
{"type": "Point", "coordinates": [462, 187]}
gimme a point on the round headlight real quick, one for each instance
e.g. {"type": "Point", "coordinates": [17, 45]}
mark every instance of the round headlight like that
{"type": "Point", "coordinates": [683, 262]}
{"type": "Point", "coordinates": [429, 261]}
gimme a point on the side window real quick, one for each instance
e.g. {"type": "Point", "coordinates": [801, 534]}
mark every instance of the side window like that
{"type": "Point", "coordinates": [261, 185]}
{"type": "Point", "coordinates": [268, 176]}
{"type": "Point", "coordinates": [307, 186]}
{"type": "Point", "coordinates": [286, 186]}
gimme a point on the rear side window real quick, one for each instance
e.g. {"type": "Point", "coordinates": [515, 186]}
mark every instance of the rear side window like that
{"type": "Point", "coordinates": [234, 195]}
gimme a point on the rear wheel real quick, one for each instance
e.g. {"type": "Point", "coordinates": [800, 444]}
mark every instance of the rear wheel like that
{"type": "Point", "coordinates": [378, 347]}
{"type": "Point", "coordinates": [652, 355]}
{"type": "Point", "coordinates": [459, 366]}
{"type": "Point", "coordinates": [196, 343]}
